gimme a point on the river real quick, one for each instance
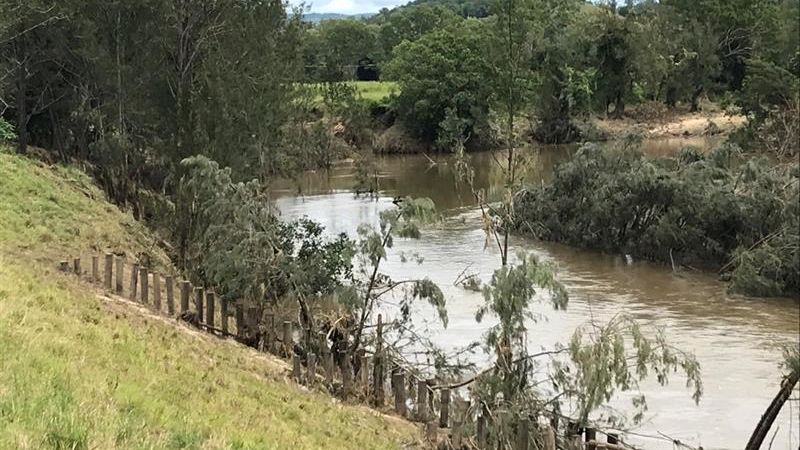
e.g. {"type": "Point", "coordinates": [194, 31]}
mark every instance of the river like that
{"type": "Point", "coordinates": [735, 339]}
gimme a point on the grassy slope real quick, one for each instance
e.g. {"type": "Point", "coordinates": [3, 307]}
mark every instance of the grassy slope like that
{"type": "Point", "coordinates": [77, 371]}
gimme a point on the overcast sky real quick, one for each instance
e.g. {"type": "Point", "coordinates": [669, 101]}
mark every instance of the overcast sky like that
{"type": "Point", "coordinates": [350, 6]}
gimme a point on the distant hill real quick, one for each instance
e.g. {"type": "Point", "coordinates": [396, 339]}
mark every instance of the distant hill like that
{"type": "Point", "coordinates": [319, 17]}
{"type": "Point", "coordinates": [464, 8]}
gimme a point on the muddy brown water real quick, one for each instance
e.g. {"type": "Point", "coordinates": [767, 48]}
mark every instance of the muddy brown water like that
{"type": "Point", "coordinates": [737, 340]}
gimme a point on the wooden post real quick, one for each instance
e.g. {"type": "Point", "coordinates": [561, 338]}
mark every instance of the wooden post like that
{"type": "Point", "coordinates": [120, 274]}
{"type": "Point", "coordinates": [549, 438]}
{"type": "Point", "coordinates": [223, 313]}
{"type": "Point", "coordinates": [199, 298]}
{"type": "Point", "coordinates": [327, 359]}
{"type": "Point", "coordinates": [240, 320]}
{"type": "Point", "coordinates": [270, 337]}
{"type": "Point", "coordinates": [311, 373]}
{"type": "Point", "coordinates": [210, 309]}
{"type": "Point", "coordinates": [347, 374]}
{"type": "Point", "coordinates": [170, 295]}
{"type": "Point", "coordinates": [590, 437]}
{"type": "Point", "coordinates": [422, 401]}
{"type": "Point", "coordinates": [157, 291]}
{"type": "Point", "coordinates": [612, 438]}
{"type": "Point", "coordinates": [399, 382]}
{"type": "Point", "coordinates": [297, 373]}
{"type": "Point", "coordinates": [95, 269]}
{"type": "Point", "coordinates": [63, 266]}
{"type": "Point", "coordinates": [460, 419]}
{"type": "Point", "coordinates": [288, 347]}
{"type": "Point", "coordinates": [363, 373]}
{"type": "Point", "coordinates": [431, 432]}
{"type": "Point", "coordinates": [481, 430]}
{"type": "Point", "coordinates": [186, 289]}
{"type": "Point", "coordinates": [107, 268]}
{"type": "Point", "coordinates": [523, 434]}
{"type": "Point", "coordinates": [134, 281]}
{"type": "Point", "coordinates": [444, 408]}
{"type": "Point", "coordinates": [143, 280]}
{"type": "Point", "coordinates": [378, 371]}
{"type": "Point", "coordinates": [76, 266]}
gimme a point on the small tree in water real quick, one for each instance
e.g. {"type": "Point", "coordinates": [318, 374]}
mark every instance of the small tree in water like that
{"type": "Point", "coordinates": [600, 359]}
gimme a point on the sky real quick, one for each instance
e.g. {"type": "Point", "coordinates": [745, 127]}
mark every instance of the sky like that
{"type": "Point", "coordinates": [350, 6]}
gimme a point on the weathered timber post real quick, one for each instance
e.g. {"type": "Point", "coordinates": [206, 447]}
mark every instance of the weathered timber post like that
{"type": "Point", "coordinates": [524, 434]}
{"type": "Point", "coordinates": [239, 314]}
{"type": "Point", "coordinates": [210, 309]}
{"type": "Point", "coordinates": [107, 269]}
{"type": "Point", "coordinates": [590, 437]}
{"type": "Point", "coordinates": [95, 269]}
{"type": "Point", "coordinates": [157, 291]}
{"type": "Point", "coordinates": [422, 401]}
{"type": "Point", "coordinates": [120, 274]}
{"type": "Point", "coordinates": [63, 266]}
{"type": "Point", "coordinates": [311, 372]}
{"type": "Point", "coordinates": [399, 382]}
{"type": "Point", "coordinates": [347, 374]}
{"type": "Point", "coordinates": [549, 441]}
{"type": "Point", "coordinates": [612, 438]}
{"type": "Point", "coordinates": [186, 289]}
{"type": "Point", "coordinates": [297, 370]}
{"type": "Point", "coordinates": [143, 280]}
{"type": "Point", "coordinates": [287, 339]}
{"type": "Point", "coordinates": [76, 266]}
{"type": "Point", "coordinates": [134, 282]}
{"type": "Point", "coordinates": [363, 373]}
{"type": "Point", "coordinates": [481, 430]}
{"type": "Point", "coordinates": [270, 336]}
{"type": "Point", "coordinates": [378, 371]}
{"type": "Point", "coordinates": [170, 295]}
{"type": "Point", "coordinates": [431, 431]}
{"type": "Point", "coordinates": [327, 359]}
{"type": "Point", "coordinates": [444, 408]}
{"type": "Point", "coordinates": [223, 312]}
{"type": "Point", "coordinates": [199, 298]}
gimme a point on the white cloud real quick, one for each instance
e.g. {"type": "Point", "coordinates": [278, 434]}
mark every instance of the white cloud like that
{"type": "Point", "coordinates": [348, 6]}
{"type": "Point", "coordinates": [337, 6]}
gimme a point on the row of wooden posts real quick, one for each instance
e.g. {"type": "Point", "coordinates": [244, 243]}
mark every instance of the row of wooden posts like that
{"type": "Point", "coordinates": [334, 368]}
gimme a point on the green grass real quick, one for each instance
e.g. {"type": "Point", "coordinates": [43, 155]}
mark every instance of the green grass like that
{"type": "Point", "coordinates": [81, 372]}
{"type": "Point", "coordinates": [374, 91]}
{"type": "Point", "coordinates": [52, 211]}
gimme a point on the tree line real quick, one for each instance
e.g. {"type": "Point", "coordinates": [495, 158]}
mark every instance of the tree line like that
{"type": "Point", "coordinates": [579, 58]}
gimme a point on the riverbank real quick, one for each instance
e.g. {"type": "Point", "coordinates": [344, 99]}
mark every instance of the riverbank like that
{"type": "Point", "coordinates": [84, 371]}
{"type": "Point", "coordinates": [678, 123]}
{"type": "Point", "coordinates": [649, 121]}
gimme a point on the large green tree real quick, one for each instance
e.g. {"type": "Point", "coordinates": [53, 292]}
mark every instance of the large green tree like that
{"type": "Point", "coordinates": [446, 70]}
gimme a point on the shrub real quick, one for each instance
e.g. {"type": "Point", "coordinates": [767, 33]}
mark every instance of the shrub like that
{"type": "Point", "coordinates": [715, 210]}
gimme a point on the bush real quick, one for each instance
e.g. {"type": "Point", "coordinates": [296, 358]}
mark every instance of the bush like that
{"type": "Point", "coordinates": [715, 210]}
{"type": "Point", "coordinates": [7, 132]}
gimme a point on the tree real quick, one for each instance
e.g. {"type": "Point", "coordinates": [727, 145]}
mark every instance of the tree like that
{"type": "Point", "coordinates": [340, 45]}
{"type": "Point", "coordinates": [412, 22]}
{"type": "Point", "coordinates": [444, 70]}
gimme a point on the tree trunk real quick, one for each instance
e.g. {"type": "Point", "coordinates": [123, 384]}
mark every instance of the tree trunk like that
{"type": "Point", "coordinates": [772, 411]}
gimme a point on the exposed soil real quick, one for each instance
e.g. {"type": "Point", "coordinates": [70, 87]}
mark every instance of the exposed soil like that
{"type": "Point", "coordinates": [675, 124]}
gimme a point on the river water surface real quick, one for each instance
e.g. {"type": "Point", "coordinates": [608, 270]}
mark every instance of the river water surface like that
{"type": "Point", "coordinates": [737, 340]}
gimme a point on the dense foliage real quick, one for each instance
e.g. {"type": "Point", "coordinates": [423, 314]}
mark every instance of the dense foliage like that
{"type": "Point", "coordinates": [720, 210]}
